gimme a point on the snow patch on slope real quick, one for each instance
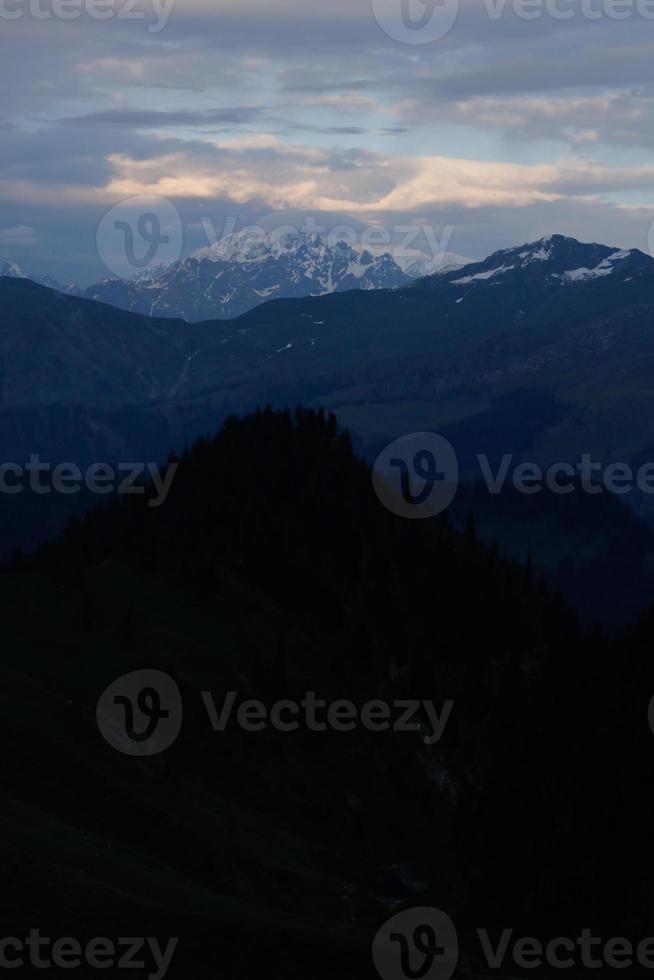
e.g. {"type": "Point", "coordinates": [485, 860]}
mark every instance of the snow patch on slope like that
{"type": "Point", "coordinates": [605, 268]}
{"type": "Point", "coordinates": [480, 276]}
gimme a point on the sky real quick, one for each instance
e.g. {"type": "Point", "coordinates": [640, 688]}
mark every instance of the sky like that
{"type": "Point", "coordinates": [488, 123]}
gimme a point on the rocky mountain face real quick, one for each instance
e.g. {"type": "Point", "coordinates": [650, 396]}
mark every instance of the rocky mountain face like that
{"type": "Point", "coordinates": [242, 271]}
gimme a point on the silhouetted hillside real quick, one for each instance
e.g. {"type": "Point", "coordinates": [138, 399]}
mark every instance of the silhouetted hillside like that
{"type": "Point", "coordinates": [272, 570]}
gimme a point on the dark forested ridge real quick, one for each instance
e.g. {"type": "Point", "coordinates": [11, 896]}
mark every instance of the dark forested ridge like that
{"type": "Point", "coordinates": [273, 570]}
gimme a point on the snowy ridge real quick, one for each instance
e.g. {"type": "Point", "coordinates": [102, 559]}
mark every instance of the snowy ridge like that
{"type": "Point", "coordinates": [556, 257]}
{"type": "Point", "coordinates": [243, 270]}
{"type": "Point", "coordinates": [479, 276]}
{"type": "Point", "coordinates": [14, 271]}
{"type": "Point", "coordinates": [605, 268]}
{"type": "Point", "coordinates": [418, 264]}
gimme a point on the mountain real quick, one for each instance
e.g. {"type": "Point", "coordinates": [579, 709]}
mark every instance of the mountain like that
{"type": "Point", "coordinates": [65, 349]}
{"type": "Point", "coordinates": [11, 269]}
{"type": "Point", "coordinates": [417, 265]}
{"type": "Point", "coordinates": [14, 271]}
{"type": "Point", "coordinates": [246, 269]}
{"type": "Point", "coordinates": [556, 314]}
{"type": "Point", "coordinates": [272, 571]}
{"type": "Point", "coordinates": [563, 260]}
{"type": "Point", "coordinates": [445, 346]}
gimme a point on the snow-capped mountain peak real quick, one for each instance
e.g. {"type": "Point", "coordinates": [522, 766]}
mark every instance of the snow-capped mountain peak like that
{"type": "Point", "coordinates": [556, 257]}
{"type": "Point", "coordinates": [245, 269]}
{"type": "Point", "coordinates": [253, 245]}
{"type": "Point", "coordinates": [420, 264]}
{"type": "Point", "coordinates": [13, 271]}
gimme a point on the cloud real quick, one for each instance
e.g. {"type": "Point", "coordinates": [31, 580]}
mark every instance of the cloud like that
{"type": "Point", "coordinates": [365, 182]}
{"type": "Point", "coordinates": [505, 128]}
{"type": "Point", "coordinates": [19, 235]}
{"type": "Point", "coordinates": [157, 119]}
{"type": "Point", "coordinates": [580, 121]}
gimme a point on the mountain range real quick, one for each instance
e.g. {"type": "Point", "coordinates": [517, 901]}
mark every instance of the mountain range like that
{"type": "Point", "coordinates": [555, 315]}
{"type": "Point", "coordinates": [14, 271]}
{"type": "Point", "coordinates": [543, 352]}
{"type": "Point", "coordinates": [240, 272]}
{"type": "Point", "coordinates": [244, 270]}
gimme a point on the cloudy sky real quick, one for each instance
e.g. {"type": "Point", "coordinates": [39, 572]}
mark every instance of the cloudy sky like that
{"type": "Point", "coordinates": [507, 128]}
